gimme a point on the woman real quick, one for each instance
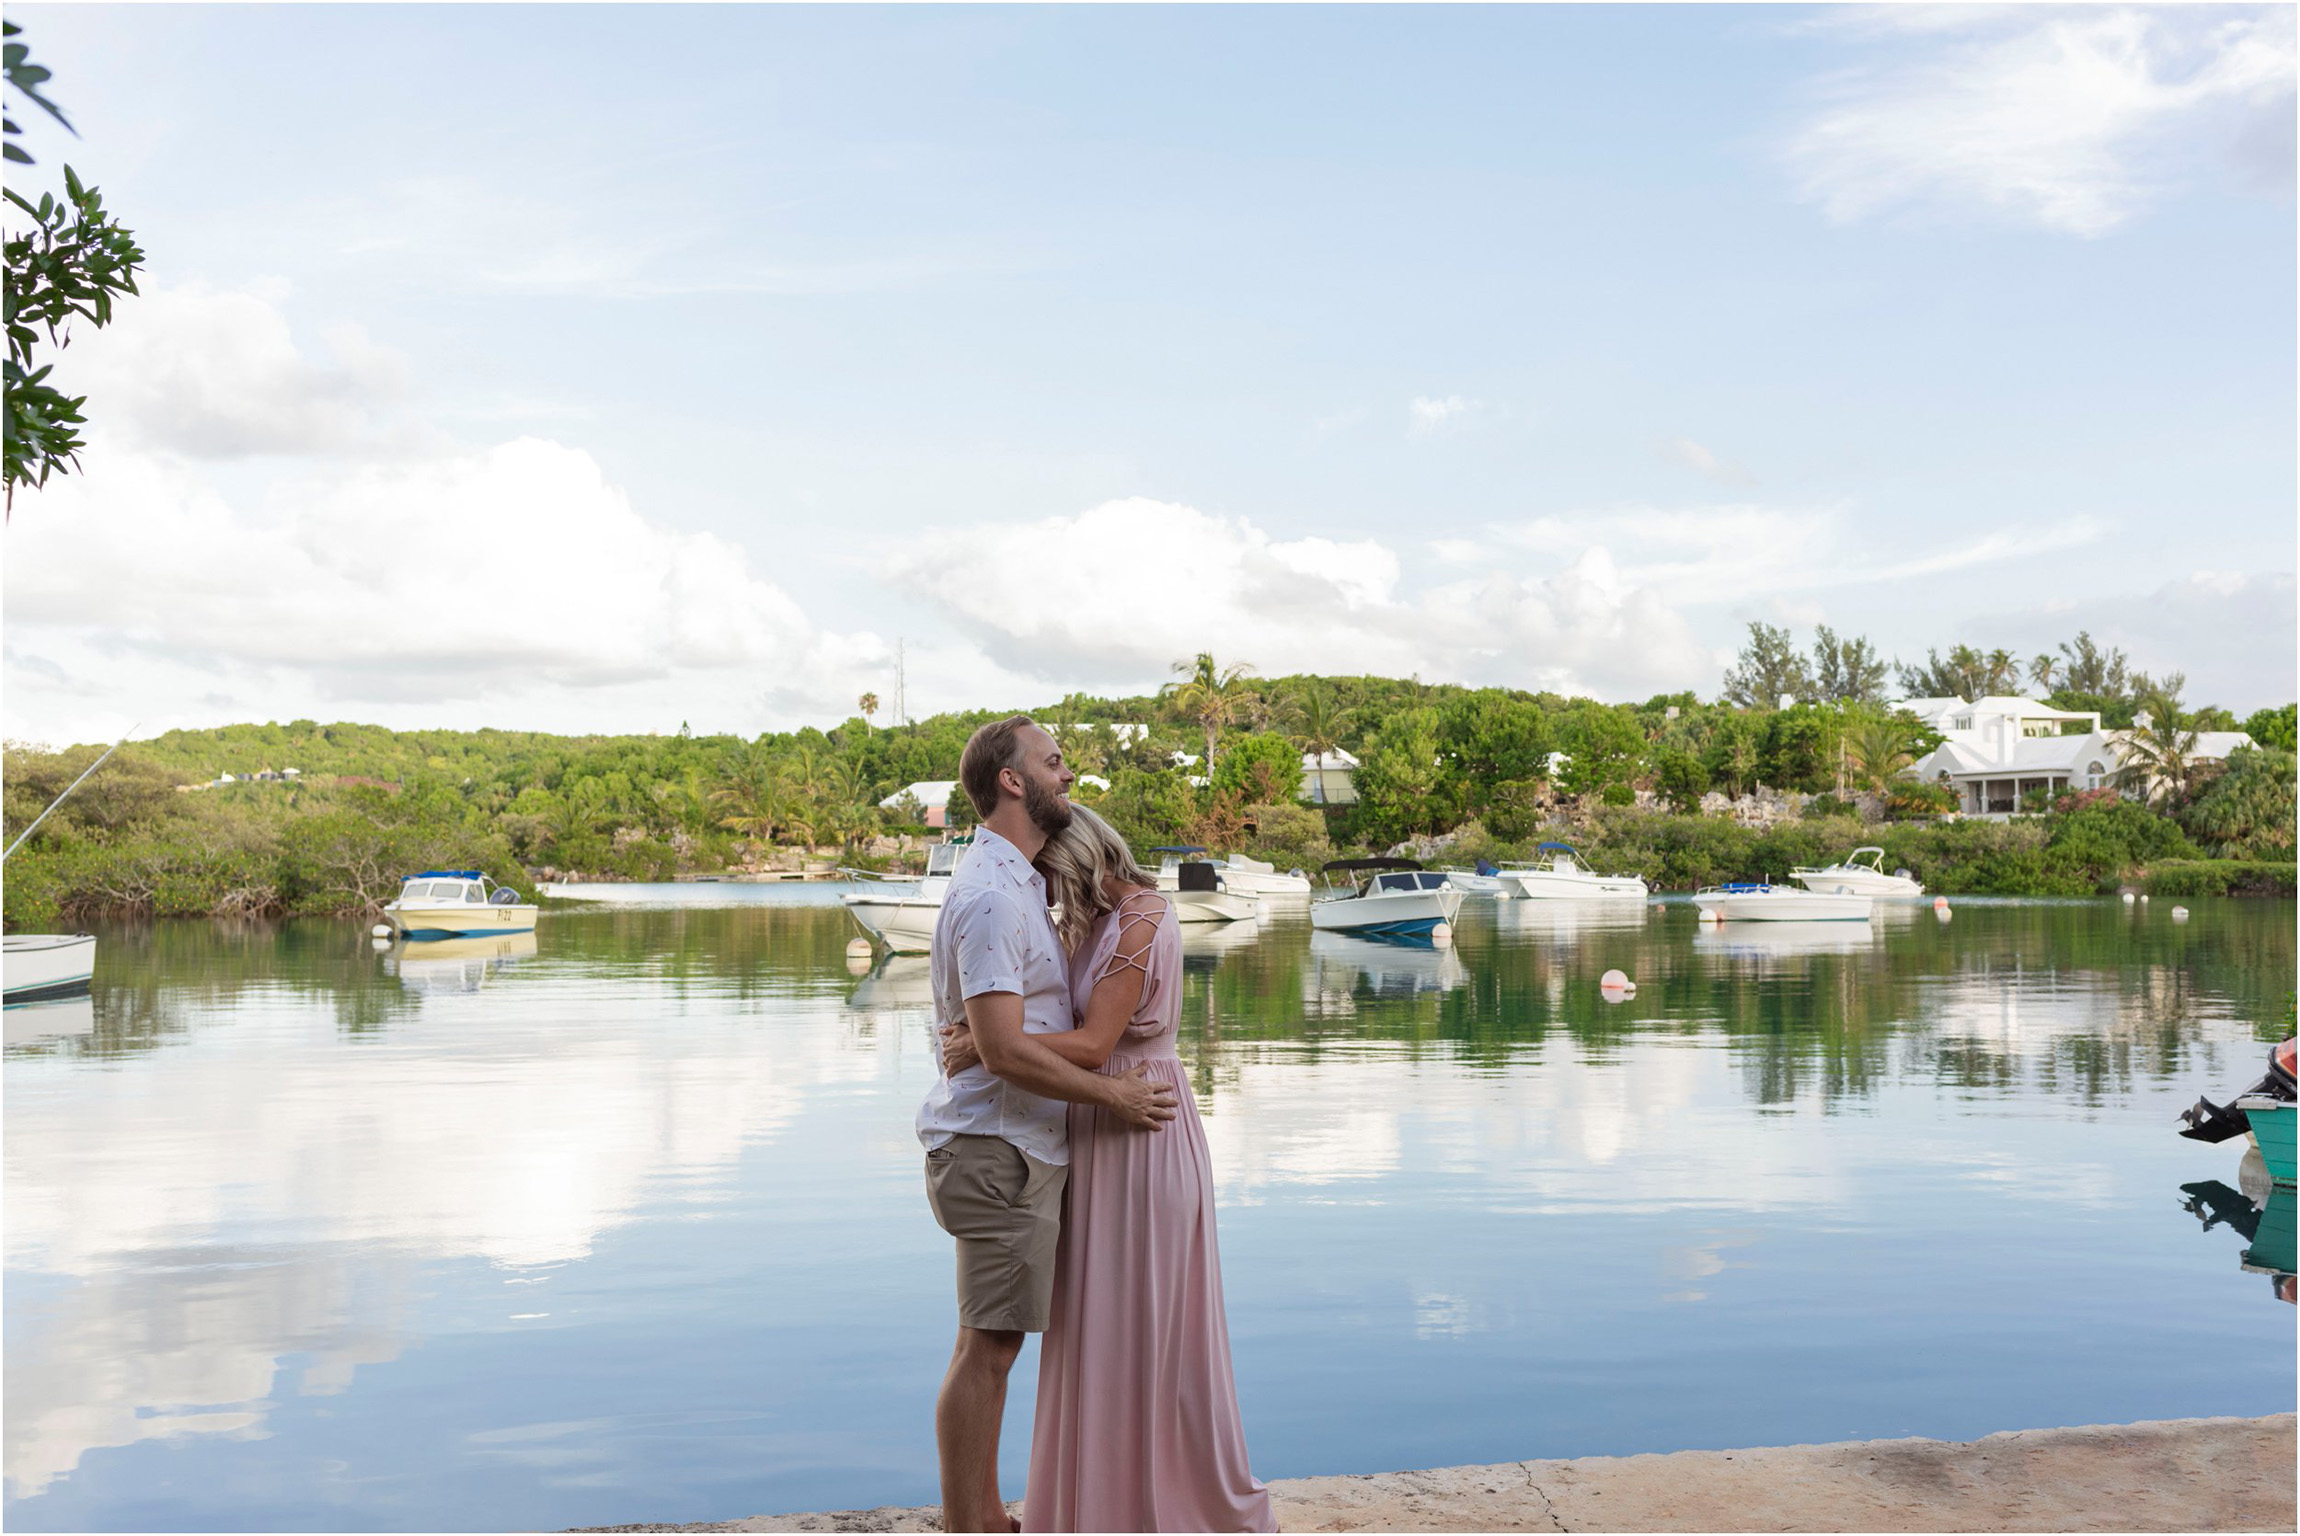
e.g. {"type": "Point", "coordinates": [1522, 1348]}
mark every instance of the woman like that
{"type": "Point", "coordinates": [1137, 1426]}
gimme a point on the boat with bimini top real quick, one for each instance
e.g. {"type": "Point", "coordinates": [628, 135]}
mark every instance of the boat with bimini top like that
{"type": "Point", "coordinates": [900, 912]}
{"type": "Point", "coordinates": [1199, 892]}
{"type": "Point", "coordinates": [1397, 898]}
{"type": "Point", "coordinates": [1563, 876]}
{"type": "Point", "coordinates": [1859, 873]}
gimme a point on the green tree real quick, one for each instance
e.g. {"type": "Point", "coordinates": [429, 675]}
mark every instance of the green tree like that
{"type": "Point", "coordinates": [1316, 720]}
{"type": "Point", "coordinates": [1397, 778]}
{"type": "Point", "coordinates": [2159, 752]}
{"type": "Point", "coordinates": [1732, 754]}
{"type": "Point", "coordinates": [1262, 769]}
{"type": "Point", "coordinates": [1603, 746]}
{"type": "Point", "coordinates": [1210, 696]}
{"type": "Point", "coordinates": [1486, 739]}
{"type": "Point", "coordinates": [69, 262]}
{"type": "Point", "coordinates": [1966, 673]}
{"type": "Point", "coordinates": [1679, 778]}
{"type": "Point", "coordinates": [2275, 728]}
{"type": "Point", "coordinates": [1767, 668]}
{"type": "Point", "coordinates": [2246, 810]}
{"type": "Point", "coordinates": [1149, 808]}
{"type": "Point", "coordinates": [1846, 671]}
{"type": "Point", "coordinates": [2088, 669]}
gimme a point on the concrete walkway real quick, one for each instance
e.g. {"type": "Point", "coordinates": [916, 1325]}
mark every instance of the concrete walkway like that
{"type": "Point", "coordinates": [2174, 1475]}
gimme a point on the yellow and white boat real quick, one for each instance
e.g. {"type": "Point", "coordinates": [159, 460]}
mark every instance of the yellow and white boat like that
{"type": "Point", "coordinates": [457, 904]}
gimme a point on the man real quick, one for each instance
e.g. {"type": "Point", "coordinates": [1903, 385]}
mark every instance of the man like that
{"type": "Point", "coordinates": [997, 1134]}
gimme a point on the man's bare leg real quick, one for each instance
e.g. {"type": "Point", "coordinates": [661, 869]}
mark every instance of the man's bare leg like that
{"type": "Point", "coordinates": [967, 1416]}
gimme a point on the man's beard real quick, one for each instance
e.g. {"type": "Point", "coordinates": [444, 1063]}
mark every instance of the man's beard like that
{"type": "Point", "coordinates": [1047, 810]}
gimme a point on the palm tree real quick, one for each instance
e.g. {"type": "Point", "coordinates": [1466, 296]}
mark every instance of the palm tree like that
{"type": "Point", "coordinates": [2042, 670]}
{"type": "Point", "coordinates": [2003, 671]}
{"type": "Point", "coordinates": [1878, 748]}
{"type": "Point", "coordinates": [1213, 696]}
{"type": "Point", "coordinates": [1318, 722]}
{"type": "Point", "coordinates": [2159, 751]}
{"type": "Point", "coordinates": [868, 704]}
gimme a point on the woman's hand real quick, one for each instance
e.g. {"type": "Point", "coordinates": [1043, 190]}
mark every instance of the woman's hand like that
{"type": "Point", "coordinates": [958, 1052]}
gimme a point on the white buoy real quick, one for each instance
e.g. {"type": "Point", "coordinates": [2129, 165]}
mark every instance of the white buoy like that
{"type": "Point", "coordinates": [858, 965]}
{"type": "Point", "coordinates": [1941, 914]}
{"type": "Point", "coordinates": [2128, 898]}
{"type": "Point", "coordinates": [2180, 914]}
{"type": "Point", "coordinates": [1442, 934]}
{"type": "Point", "coordinates": [2144, 895]}
{"type": "Point", "coordinates": [1616, 981]}
{"type": "Point", "coordinates": [379, 945]}
{"type": "Point", "coordinates": [857, 947]}
{"type": "Point", "coordinates": [381, 930]}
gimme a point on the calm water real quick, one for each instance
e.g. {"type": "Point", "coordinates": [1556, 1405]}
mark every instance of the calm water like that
{"type": "Point", "coordinates": [630, 1226]}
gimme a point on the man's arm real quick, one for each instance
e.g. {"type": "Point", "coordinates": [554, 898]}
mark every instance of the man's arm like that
{"type": "Point", "coordinates": [1012, 1055]}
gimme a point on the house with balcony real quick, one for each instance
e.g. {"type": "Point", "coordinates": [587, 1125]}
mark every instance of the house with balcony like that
{"type": "Point", "coordinates": [1999, 751]}
{"type": "Point", "coordinates": [1326, 778]}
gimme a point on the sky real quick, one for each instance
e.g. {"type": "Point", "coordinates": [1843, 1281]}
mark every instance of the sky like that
{"type": "Point", "coordinates": [603, 368]}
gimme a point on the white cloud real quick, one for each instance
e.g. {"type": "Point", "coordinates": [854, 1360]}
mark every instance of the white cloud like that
{"type": "Point", "coordinates": [1114, 595]}
{"type": "Point", "coordinates": [219, 374]}
{"type": "Point", "coordinates": [2072, 118]}
{"type": "Point", "coordinates": [514, 573]}
{"type": "Point", "coordinates": [1685, 451]}
{"type": "Point", "coordinates": [2230, 632]}
{"type": "Point", "coordinates": [1432, 417]}
{"type": "Point", "coordinates": [1735, 552]}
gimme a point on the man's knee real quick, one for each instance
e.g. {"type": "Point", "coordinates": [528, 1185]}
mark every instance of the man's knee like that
{"type": "Point", "coordinates": [995, 1348]}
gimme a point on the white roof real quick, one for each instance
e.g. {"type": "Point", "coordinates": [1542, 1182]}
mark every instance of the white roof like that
{"type": "Point", "coordinates": [1312, 762]}
{"type": "Point", "coordinates": [929, 793]}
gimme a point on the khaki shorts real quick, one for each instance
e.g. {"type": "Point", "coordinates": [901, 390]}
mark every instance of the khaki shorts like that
{"type": "Point", "coordinates": [1005, 1208]}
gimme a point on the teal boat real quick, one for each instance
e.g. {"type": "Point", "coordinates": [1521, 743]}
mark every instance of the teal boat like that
{"type": "Point", "coordinates": [2271, 1121]}
{"type": "Point", "coordinates": [2273, 1241]}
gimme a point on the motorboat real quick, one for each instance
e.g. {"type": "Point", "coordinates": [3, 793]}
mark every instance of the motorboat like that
{"type": "Point", "coordinates": [1764, 902]}
{"type": "Point", "coordinates": [1563, 876]}
{"type": "Point", "coordinates": [1198, 896]}
{"type": "Point", "coordinates": [1859, 873]}
{"type": "Point", "coordinates": [456, 904]}
{"type": "Point", "coordinates": [36, 966]}
{"type": "Point", "coordinates": [901, 912]}
{"type": "Point", "coordinates": [1395, 897]}
{"type": "Point", "coordinates": [1485, 880]}
{"type": "Point", "coordinates": [1253, 877]}
{"type": "Point", "coordinates": [2266, 1112]}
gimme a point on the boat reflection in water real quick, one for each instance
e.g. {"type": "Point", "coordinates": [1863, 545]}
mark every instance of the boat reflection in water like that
{"type": "Point", "coordinates": [1204, 944]}
{"type": "Point", "coordinates": [456, 965]}
{"type": "Point", "coordinates": [1344, 966]}
{"type": "Point", "coordinates": [58, 1019]}
{"type": "Point", "coordinates": [898, 981]}
{"type": "Point", "coordinates": [2262, 1213]}
{"type": "Point", "coordinates": [1775, 941]}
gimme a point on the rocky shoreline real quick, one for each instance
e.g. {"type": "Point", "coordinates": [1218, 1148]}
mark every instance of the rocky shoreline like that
{"type": "Point", "coordinates": [2167, 1475]}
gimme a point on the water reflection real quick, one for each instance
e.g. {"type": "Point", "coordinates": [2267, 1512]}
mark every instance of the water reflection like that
{"type": "Point", "coordinates": [275, 1169]}
{"type": "Point", "coordinates": [455, 965]}
{"type": "Point", "coordinates": [1773, 941]}
{"type": "Point", "coordinates": [56, 1019]}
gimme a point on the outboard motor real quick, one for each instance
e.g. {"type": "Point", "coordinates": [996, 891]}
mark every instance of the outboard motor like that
{"type": "Point", "coordinates": [2207, 1121]}
{"type": "Point", "coordinates": [1487, 867]}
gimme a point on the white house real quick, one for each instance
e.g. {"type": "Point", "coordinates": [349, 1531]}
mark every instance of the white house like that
{"type": "Point", "coordinates": [1999, 750]}
{"type": "Point", "coordinates": [1326, 778]}
{"type": "Point", "coordinates": [933, 797]}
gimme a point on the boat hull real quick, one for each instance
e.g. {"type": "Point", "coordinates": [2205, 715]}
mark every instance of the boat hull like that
{"type": "Point", "coordinates": [1857, 882]}
{"type": "Point", "coordinates": [2272, 1122]}
{"type": "Point", "coordinates": [1213, 906]}
{"type": "Point", "coordinates": [1555, 885]}
{"type": "Point", "coordinates": [462, 920]}
{"type": "Point", "coordinates": [1779, 904]}
{"type": "Point", "coordinates": [1477, 885]}
{"type": "Point", "coordinates": [37, 966]}
{"type": "Point", "coordinates": [1390, 913]}
{"type": "Point", "coordinates": [904, 924]}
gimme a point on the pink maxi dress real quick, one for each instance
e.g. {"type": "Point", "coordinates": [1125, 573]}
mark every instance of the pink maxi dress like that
{"type": "Point", "coordinates": [1137, 1426]}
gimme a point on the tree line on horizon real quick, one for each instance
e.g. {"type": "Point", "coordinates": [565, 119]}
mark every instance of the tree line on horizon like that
{"type": "Point", "coordinates": [1213, 758]}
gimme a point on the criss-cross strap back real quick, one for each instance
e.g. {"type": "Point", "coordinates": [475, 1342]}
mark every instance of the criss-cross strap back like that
{"type": "Point", "coordinates": [1138, 917]}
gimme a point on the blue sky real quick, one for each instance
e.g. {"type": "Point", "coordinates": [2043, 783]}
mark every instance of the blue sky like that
{"type": "Point", "coordinates": [602, 367]}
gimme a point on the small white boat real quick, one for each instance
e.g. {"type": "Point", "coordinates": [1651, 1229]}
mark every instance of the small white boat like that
{"type": "Point", "coordinates": [43, 965]}
{"type": "Point", "coordinates": [1398, 898]}
{"type": "Point", "coordinates": [1198, 896]}
{"type": "Point", "coordinates": [1563, 877]}
{"type": "Point", "coordinates": [1253, 877]}
{"type": "Point", "coordinates": [1768, 903]}
{"type": "Point", "coordinates": [456, 904]}
{"type": "Point", "coordinates": [1485, 880]}
{"type": "Point", "coordinates": [1859, 876]}
{"type": "Point", "coordinates": [901, 913]}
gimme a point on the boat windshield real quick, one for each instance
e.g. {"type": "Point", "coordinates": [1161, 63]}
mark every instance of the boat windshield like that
{"type": "Point", "coordinates": [1410, 880]}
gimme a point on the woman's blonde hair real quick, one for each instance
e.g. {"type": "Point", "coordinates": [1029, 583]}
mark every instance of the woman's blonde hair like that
{"type": "Point", "coordinates": [1075, 862]}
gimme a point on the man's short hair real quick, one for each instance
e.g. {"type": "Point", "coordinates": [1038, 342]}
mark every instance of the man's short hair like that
{"type": "Point", "coordinates": [991, 747]}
